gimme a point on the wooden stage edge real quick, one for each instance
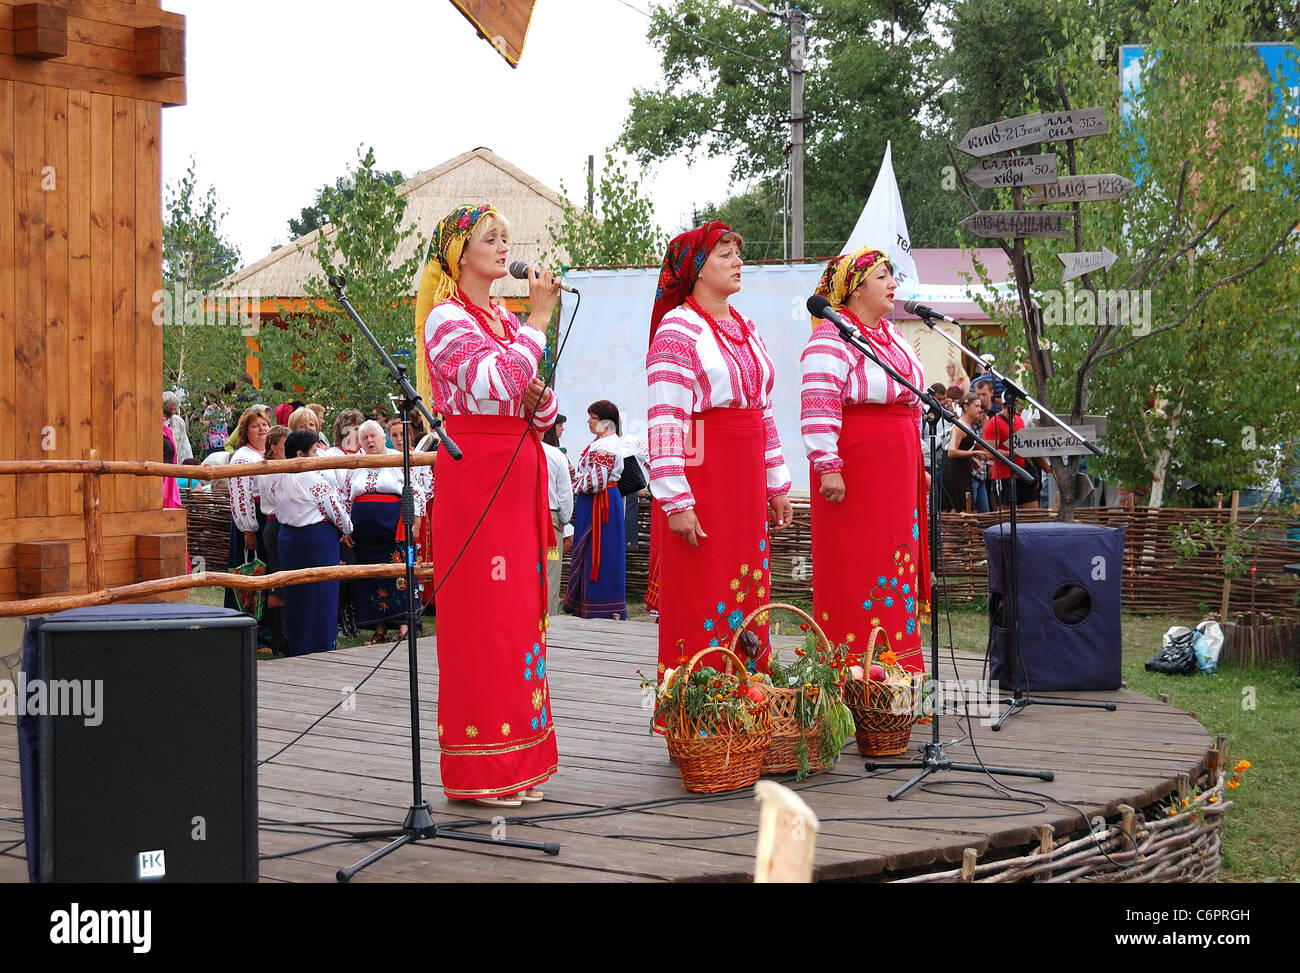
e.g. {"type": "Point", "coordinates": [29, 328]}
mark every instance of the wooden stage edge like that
{"type": "Point", "coordinates": [617, 807]}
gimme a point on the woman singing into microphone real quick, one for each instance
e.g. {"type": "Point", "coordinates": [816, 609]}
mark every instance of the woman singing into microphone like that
{"type": "Point", "coordinates": [490, 511]}
{"type": "Point", "coordinates": [860, 428]}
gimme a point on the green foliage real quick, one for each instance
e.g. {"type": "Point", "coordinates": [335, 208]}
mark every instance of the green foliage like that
{"type": "Point", "coordinates": [1200, 391]}
{"type": "Point", "coordinates": [622, 233]}
{"type": "Point", "coordinates": [331, 199]}
{"type": "Point", "coordinates": [322, 351]}
{"type": "Point", "coordinates": [202, 349]}
{"type": "Point", "coordinates": [870, 78]}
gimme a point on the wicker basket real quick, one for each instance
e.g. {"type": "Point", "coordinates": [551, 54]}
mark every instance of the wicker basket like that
{"type": "Point", "coordinates": [720, 761]}
{"type": "Point", "coordinates": [883, 714]}
{"type": "Point", "coordinates": [786, 728]}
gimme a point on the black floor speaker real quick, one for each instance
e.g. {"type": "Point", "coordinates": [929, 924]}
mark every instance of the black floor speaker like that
{"type": "Point", "coordinates": [144, 749]}
{"type": "Point", "coordinates": [1069, 605]}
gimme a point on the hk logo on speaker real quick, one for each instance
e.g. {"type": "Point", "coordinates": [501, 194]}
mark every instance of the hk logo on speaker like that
{"type": "Point", "coordinates": [150, 864]}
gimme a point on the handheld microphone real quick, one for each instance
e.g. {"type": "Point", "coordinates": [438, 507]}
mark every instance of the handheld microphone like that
{"type": "Point", "coordinates": [520, 270]}
{"type": "Point", "coordinates": [912, 307]}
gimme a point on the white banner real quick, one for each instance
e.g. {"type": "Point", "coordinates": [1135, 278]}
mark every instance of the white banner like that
{"type": "Point", "coordinates": [605, 354]}
{"type": "Point", "coordinates": [882, 224]}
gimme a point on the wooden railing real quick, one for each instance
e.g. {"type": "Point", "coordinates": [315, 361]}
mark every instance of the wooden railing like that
{"type": "Point", "coordinates": [91, 469]}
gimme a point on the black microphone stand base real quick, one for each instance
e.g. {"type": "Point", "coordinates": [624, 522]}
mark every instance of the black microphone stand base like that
{"type": "Point", "coordinates": [1017, 703]}
{"type": "Point", "coordinates": [935, 759]}
{"type": "Point", "coordinates": [419, 824]}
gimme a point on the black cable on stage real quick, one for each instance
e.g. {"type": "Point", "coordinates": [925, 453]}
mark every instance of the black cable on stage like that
{"type": "Point", "coordinates": [8, 848]}
{"type": "Point", "coordinates": [528, 421]}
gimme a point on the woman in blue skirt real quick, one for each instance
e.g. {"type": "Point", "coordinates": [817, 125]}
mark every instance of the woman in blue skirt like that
{"type": "Point", "coordinates": [598, 571]}
{"type": "Point", "coordinates": [313, 518]}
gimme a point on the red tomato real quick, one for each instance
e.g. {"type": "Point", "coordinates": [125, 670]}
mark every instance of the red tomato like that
{"type": "Point", "coordinates": [755, 694]}
{"type": "Point", "coordinates": [877, 674]}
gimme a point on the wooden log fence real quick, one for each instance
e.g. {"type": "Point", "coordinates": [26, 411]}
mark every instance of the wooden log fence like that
{"type": "Point", "coordinates": [91, 469]}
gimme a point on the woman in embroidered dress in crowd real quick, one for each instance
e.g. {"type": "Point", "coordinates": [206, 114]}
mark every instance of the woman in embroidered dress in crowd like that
{"type": "Point", "coordinates": [494, 707]}
{"type": "Point", "coordinates": [313, 521]}
{"type": "Point", "coordinates": [716, 469]}
{"type": "Point", "coordinates": [271, 537]}
{"type": "Point", "coordinates": [598, 569]}
{"type": "Point", "coordinates": [246, 518]}
{"type": "Point", "coordinates": [868, 482]}
{"type": "Point", "coordinates": [422, 441]}
{"type": "Point", "coordinates": [375, 496]}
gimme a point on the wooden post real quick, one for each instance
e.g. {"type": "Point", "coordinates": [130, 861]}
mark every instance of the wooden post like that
{"type": "Point", "coordinates": [787, 835]}
{"type": "Point", "coordinates": [1227, 583]}
{"type": "Point", "coordinates": [968, 859]}
{"type": "Point", "coordinates": [94, 540]}
{"type": "Point", "coordinates": [1045, 835]}
{"type": "Point", "coordinates": [1127, 819]}
{"type": "Point", "coordinates": [970, 503]}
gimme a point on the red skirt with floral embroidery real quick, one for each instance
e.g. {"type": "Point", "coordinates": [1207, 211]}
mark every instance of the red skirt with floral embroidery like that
{"type": "Point", "coordinates": [705, 591]}
{"type": "Point", "coordinates": [871, 564]}
{"type": "Point", "coordinates": [494, 705]}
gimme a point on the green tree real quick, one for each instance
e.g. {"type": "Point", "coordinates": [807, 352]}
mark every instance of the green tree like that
{"type": "Point", "coordinates": [871, 78]}
{"type": "Point", "coordinates": [1176, 342]}
{"type": "Point", "coordinates": [202, 341]}
{"type": "Point", "coordinates": [330, 198]}
{"type": "Point", "coordinates": [322, 351]}
{"type": "Point", "coordinates": [621, 233]}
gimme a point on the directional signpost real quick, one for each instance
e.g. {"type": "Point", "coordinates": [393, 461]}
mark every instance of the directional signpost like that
{"type": "Point", "coordinates": [1003, 136]}
{"type": "Point", "coordinates": [1051, 441]}
{"type": "Point", "coordinates": [1076, 124]}
{"type": "Point", "coordinates": [1091, 188]}
{"type": "Point", "coordinates": [1078, 264]}
{"type": "Point", "coordinates": [1007, 171]}
{"type": "Point", "coordinates": [1019, 223]}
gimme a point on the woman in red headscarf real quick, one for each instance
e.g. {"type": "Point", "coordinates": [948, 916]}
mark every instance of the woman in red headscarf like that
{"type": "Point", "coordinates": [716, 468]}
{"type": "Point", "coordinates": [490, 514]}
{"type": "Point", "coordinates": [869, 539]}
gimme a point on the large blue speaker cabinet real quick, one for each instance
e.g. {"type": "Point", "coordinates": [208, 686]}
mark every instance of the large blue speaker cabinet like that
{"type": "Point", "coordinates": [1069, 605]}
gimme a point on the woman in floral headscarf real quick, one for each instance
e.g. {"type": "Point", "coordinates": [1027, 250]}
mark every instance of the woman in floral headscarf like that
{"type": "Point", "coordinates": [860, 428]}
{"type": "Point", "coordinates": [494, 707]}
{"type": "Point", "coordinates": [716, 468]}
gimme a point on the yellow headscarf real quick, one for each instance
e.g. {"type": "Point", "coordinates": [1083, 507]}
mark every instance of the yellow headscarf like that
{"type": "Point", "coordinates": [843, 275]}
{"type": "Point", "coordinates": [440, 276]}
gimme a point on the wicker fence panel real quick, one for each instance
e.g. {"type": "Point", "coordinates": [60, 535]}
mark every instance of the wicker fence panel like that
{"type": "Point", "coordinates": [1156, 579]}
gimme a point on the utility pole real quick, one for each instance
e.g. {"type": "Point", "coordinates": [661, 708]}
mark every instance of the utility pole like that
{"type": "Point", "coordinates": [796, 20]}
{"type": "Point", "coordinates": [797, 51]}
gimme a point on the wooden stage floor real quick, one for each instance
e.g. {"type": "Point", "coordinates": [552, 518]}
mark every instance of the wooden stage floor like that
{"type": "Point", "coordinates": [617, 807]}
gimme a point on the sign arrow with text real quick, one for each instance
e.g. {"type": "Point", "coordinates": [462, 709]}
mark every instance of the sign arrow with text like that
{"type": "Point", "coordinates": [1007, 171]}
{"type": "Point", "coordinates": [1090, 188]}
{"type": "Point", "coordinates": [1003, 136]}
{"type": "Point", "coordinates": [1019, 223]}
{"type": "Point", "coordinates": [1076, 124]}
{"type": "Point", "coordinates": [1078, 264]}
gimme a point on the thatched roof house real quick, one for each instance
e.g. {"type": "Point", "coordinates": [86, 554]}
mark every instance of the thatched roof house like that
{"type": "Point", "coordinates": [473, 177]}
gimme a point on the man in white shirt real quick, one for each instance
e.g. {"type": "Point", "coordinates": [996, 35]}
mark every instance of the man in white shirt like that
{"type": "Point", "coordinates": [559, 494]}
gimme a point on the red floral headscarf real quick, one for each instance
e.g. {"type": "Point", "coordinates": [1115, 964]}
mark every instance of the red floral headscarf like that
{"type": "Point", "coordinates": [686, 255]}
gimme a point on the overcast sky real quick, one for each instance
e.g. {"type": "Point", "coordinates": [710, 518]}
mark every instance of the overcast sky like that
{"type": "Point", "coordinates": [280, 93]}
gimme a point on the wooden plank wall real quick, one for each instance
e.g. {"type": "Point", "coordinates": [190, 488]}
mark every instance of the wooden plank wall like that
{"type": "Point", "coordinates": [80, 261]}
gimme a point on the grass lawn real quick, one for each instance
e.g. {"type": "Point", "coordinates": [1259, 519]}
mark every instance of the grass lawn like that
{"type": "Point", "coordinates": [1258, 707]}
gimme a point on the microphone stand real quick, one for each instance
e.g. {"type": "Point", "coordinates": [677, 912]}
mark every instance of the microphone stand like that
{"type": "Point", "coordinates": [419, 817]}
{"type": "Point", "coordinates": [1019, 699]}
{"type": "Point", "coordinates": [934, 758]}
